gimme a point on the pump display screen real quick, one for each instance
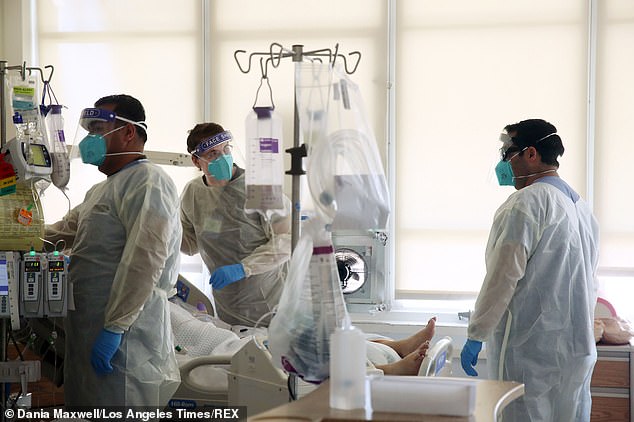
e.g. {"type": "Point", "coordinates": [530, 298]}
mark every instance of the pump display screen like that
{"type": "Point", "coordinates": [56, 266]}
{"type": "Point", "coordinates": [32, 266]}
{"type": "Point", "coordinates": [4, 278]}
{"type": "Point", "coordinates": [38, 155]}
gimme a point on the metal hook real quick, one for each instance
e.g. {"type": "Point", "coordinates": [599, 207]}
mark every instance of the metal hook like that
{"type": "Point", "coordinates": [332, 62]}
{"type": "Point", "coordinates": [279, 54]}
{"type": "Point", "coordinates": [345, 62]}
{"type": "Point", "coordinates": [235, 56]}
{"type": "Point", "coordinates": [264, 67]}
{"type": "Point", "coordinates": [38, 70]}
{"type": "Point", "coordinates": [50, 75]}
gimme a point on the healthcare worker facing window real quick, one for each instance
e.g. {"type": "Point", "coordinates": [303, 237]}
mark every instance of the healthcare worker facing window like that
{"type": "Point", "coordinates": [536, 306]}
{"type": "Point", "coordinates": [246, 254]}
{"type": "Point", "coordinates": [124, 241]}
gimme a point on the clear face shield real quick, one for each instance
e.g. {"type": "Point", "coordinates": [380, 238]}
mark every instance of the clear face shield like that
{"type": "Point", "coordinates": [492, 177]}
{"type": "Point", "coordinates": [503, 169]}
{"type": "Point", "coordinates": [95, 124]}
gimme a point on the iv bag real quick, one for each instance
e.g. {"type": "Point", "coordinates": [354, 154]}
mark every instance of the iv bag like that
{"type": "Point", "coordinates": [59, 154]}
{"type": "Point", "coordinates": [344, 173]}
{"type": "Point", "coordinates": [310, 308]}
{"type": "Point", "coordinates": [264, 173]}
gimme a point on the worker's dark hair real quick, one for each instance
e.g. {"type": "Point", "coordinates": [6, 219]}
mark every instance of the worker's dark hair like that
{"type": "Point", "coordinates": [201, 131]}
{"type": "Point", "coordinates": [528, 133]}
{"type": "Point", "coordinates": [128, 107]}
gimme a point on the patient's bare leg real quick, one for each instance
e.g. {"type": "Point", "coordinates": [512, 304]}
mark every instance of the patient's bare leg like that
{"type": "Point", "coordinates": [409, 365]}
{"type": "Point", "coordinates": [408, 345]}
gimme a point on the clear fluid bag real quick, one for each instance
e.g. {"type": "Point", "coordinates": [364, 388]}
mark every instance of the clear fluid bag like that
{"type": "Point", "coordinates": [264, 173]}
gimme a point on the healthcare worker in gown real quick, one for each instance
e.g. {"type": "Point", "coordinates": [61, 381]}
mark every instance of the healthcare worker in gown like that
{"type": "Point", "coordinates": [246, 253]}
{"type": "Point", "coordinates": [535, 310]}
{"type": "Point", "coordinates": [124, 241]}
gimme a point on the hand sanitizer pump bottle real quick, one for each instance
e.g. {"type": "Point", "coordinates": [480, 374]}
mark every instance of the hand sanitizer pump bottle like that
{"type": "Point", "coordinates": [347, 367]}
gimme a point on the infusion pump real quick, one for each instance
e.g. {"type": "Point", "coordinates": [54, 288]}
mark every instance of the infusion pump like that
{"type": "Point", "coordinates": [30, 160]}
{"type": "Point", "coordinates": [33, 285]}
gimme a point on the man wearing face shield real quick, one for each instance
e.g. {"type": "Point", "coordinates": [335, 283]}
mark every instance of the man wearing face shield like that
{"type": "Point", "coordinates": [246, 254]}
{"type": "Point", "coordinates": [535, 310]}
{"type": "Point", "coordinates": [124, 240]}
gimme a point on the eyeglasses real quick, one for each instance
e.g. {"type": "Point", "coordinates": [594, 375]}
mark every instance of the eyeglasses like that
{"type": "Point", "coordinates": [213, 154]}
{"type": "Point", "coordinates": [505, 153]}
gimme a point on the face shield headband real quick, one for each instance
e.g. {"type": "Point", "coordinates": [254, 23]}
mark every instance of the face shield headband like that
{"type": "Point", "coordinates": [212, 141]}
{"type": "Point", "coordinates": [91, 115]}
{"type": "Point", "coordinates": [507, 142]}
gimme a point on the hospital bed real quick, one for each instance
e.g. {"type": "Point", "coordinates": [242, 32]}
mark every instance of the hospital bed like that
{"type": "Point", "coordinates": [203, 378]}
{"type": "Point", "coordinates": [227, 366]}
{"type": "Point", "coordinates": [240, 372]}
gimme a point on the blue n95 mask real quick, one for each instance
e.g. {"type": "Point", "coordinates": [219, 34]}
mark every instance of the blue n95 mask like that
{"type": "Point", "coordinates": [93, 148]}
{"type": "Point", "coordinates": [504, 173]}
{"type": "Point", "coordinates": [222, 167]}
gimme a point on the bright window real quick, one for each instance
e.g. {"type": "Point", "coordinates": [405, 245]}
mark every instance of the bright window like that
{"type": "Point", "coordinates": [151, 50]}
{"type": "Point", "coordinates": [359, 25]}
{"type": "Point", "coordinates": [103, 47]}
{"type": "Point", "coordinates": [614, 203]}
{"type": "Point", "coordinates": [464, 70]}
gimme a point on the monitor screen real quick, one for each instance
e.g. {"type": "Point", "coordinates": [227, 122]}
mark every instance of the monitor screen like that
{"type": "Point", "coordinates": [4, 278]}
{"type": "Point", "coordinates": [38, 155]}
{"type": "Point", "coordinates": [32, 266]}
{"type": "Point", "coordinates": [56, 266]}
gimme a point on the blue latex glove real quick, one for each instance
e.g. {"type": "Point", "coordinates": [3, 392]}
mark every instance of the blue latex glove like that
{"type": "Point", "coordinates": [226, 275]}
{"type": "Point", "coordinates": [469, 356]}
{"type": "Point", "coordinates": [103, 350]}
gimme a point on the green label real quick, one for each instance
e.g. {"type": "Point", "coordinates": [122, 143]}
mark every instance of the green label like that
{"type": "Point", "coordinates": [24, 90]}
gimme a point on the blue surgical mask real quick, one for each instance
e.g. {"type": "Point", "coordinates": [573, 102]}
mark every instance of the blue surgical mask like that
{"type": "Point", "coordinates": [222, 167]}
{"type": "Point", "coordinates": [93, 148]}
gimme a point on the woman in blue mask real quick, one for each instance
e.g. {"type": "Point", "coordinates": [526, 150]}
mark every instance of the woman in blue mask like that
{"type": "Point", "coordinates": [246, 253]}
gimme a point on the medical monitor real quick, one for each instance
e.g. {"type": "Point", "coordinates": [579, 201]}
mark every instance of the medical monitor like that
{"type": "Point", "coordinates": [56, 266]}
{"type": "Point", "coordinates": [39, 155]}
{"type": "Point", "coordinates": [4, 278]}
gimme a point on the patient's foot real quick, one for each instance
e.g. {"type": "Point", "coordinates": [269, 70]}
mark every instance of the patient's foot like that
{"type": "Point", "coordinates": [409, 365]}
{"type": "Point", "coordinates": [410, 344]}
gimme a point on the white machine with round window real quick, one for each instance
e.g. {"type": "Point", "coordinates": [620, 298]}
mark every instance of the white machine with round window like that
{"type": "Point", "coordinates": [361, 262]}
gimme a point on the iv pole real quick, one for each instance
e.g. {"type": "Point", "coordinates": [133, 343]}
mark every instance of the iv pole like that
{"type": "Point", "coordinates": [275, 54]}
{"type": "Point", "coordinates": [3, 140]}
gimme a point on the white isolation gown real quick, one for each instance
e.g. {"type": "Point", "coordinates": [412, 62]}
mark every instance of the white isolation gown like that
{"type": "Point", "coordinates": [541, 261]}
{"type": "Point", "coordinates": [216, 225]}
{"type": "Point", "coordinates": [125, 240]}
